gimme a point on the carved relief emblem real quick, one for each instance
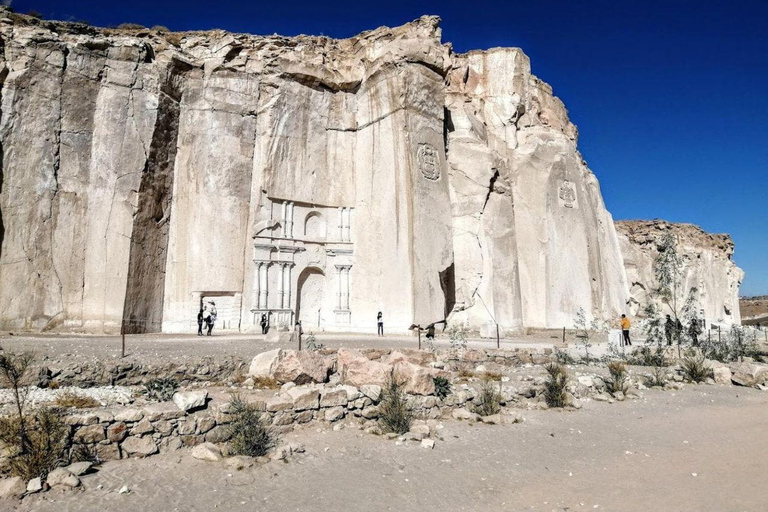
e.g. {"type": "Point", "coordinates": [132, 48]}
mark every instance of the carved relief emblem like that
{"type": "Point", "coordinates": [566, 194]}
{"type": "Point", "coordinates": [428, 161]}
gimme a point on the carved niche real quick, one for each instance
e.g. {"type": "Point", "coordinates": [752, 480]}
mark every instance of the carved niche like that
{"type": "Point", "coordinates": [428, 161]}
{"type": "Point", "coordinates": [566, 195]}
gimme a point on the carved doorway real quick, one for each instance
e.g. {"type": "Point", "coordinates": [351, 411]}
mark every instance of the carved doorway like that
{"type": "Point", "coordinates": [310, 298]}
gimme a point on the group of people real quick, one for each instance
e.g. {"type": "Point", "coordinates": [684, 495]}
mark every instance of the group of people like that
{"type": "Point", "coordinates": [207, 316]}
{"type": "Point", "coordinates": [673, 329]}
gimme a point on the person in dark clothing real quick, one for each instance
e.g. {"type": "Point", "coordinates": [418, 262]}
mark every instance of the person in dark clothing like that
{"type": "Point", "coordinates": [694, 330]}
{"type": "Point", "coordinates": [380, 320]}
{"type": "Point", "coordinates": [669, 326]}
{"type": "Point", "coordinates": [431, 332]}
{"type": "Point", "coordinates": [264, 323]}
{"type": "Point", "coordinates": [200, 323]}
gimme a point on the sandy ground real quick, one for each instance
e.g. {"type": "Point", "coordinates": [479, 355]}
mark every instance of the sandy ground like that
{"type": "Point", "coordinates": [700, 449]}
{"type": "Point", "coordinates": [154, 348]}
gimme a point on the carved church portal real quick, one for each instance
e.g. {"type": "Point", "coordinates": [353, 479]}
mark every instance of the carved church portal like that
{"type": "Point", "coordinates": [310, 298]}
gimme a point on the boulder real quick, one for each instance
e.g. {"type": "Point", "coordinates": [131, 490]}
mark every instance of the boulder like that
{"type": "Point", "coordinates": [90, 434]}
{"type": "Point", "coordinates": [190, 400]}
{"type": "Point", "coordinates": [263, 364]}
{"type": "Point", "coordinates": [416, 379]}
{"type": "Point", "coordinates": [63, 478]}
{"type": "Point", "coordinates": [129, 415]}
{"type": "Point", "coordinates": [34, 485]}
{"type": "Point", "coordinates": [139, 446]}
{"type": "Point", "coordinates": [12, 487]}
{"type": "Point", "coordinates": [334, 398]}
{"type": "Point", "coordinates": [334, 414]}
{"type": "Point", "coordinates": [464, 414]}
{"type": "Point", "coordinates": [372, 391]}
{"type": "Point", "coordinates": [142, 427]}
{"type": "Point", "coordinates": [749, 374]}
{"type": "Point", "coordinates": [357, 370]}
{"type": "Point", "coordinates": [418, 357]}
{"type": "Point", "coordinates": [722, 374]}
{"type": "Point", "coordinates": [304, 398]}
{"type": "Point", "coordinates": [218, 434]}
{"type": "Point", "coordinates": [207, 451]}
{"type": "Point", "coordinates": [80, 468]}
{"type": "Point", "coordinates": [301, 367]}
{"type": "Point", "coordinates": [116, 432]}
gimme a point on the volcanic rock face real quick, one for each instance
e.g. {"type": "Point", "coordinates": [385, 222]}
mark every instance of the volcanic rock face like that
{"type": "Point", "coordinates": [532, 237]}
{"type": "Point", "coordinates": [147, 175]}
{"type": "Point", "coordinates": [707, 266]}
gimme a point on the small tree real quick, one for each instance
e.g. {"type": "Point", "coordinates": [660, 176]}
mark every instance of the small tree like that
{"type": "Point", "coordinates": [668, 270]}
{"type": "Point", "coordinates": [457, 335]}
{"type": "Point", "coordinates": [14, 375]}
{"type": "Point", "coordinates": [394, 413]}
{"type": "Point", "coordinates": [652, 326]}
{"type": "Point", "coordinates": [585, 331]}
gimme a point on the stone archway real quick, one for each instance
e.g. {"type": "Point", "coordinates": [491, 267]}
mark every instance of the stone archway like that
{"type": "Point", "coordinates": [310, 297]}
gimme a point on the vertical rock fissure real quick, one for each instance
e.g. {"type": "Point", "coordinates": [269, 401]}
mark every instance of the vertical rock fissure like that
{"type": "Point", "coordinates": [145, 289]}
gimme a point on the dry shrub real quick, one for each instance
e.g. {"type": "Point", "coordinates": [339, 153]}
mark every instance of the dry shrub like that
{"type": "Point", "coordinates": [494, 376]}
{"type": "Point", "coordinates": [488, 400]}
{"type": "Point", "coordinates": [619, 380]}
{"type": "Point", "coordinates": [250, 436]}
{"type": "Point", "coordinates": [131, 26]}
{"type": "Point", "coordinates": [466, 374]}
{"type": "Point", "coordinates": [265, 383]}
{"type": "Point", "coordinates": [658, 377]}
{"type": "Point", "coordinates": [554, 387]}
{"type": "Point", "coordinates": [72, 400]}
{"type": "Point", "coordinates": [174, 38]}
{"type": "Point", "coordinates": [394, 414]}
{"type": "Point", "coordinates": [39, 443]}
{"type": "Point", "coordinates": [695, 369]}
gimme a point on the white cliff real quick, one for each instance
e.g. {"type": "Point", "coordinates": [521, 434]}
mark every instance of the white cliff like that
{"type": "Point", "coordinates": [707, 266]}
{"type": "Point", "coordinates": [145, 174]}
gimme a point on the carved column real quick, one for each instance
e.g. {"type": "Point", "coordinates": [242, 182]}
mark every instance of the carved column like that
{"type": "Point", "coordinates": [341, 223]}
{"type": "Point", "coordinates": [257, 286]}
{"type": "Point", "coordinates": [284, 219]}
{"type": "Point", "coordinates": [280, 289]}
{"type": "Point", "coordinates": [339, 278]}
{"type": "Point", "coordinates": [290, 220]}
{"type": "Point", "coordinates": [346, 214]}
{"type": "Point", "coordinates": [345, 289]}
{"type": "Point", "coordinates": [287, 286]}
{"type": "Point", "coordinates": [263, 286]}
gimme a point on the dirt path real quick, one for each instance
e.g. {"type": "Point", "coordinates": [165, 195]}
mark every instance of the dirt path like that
{"type": "Point", "coordinates": [632, 456]}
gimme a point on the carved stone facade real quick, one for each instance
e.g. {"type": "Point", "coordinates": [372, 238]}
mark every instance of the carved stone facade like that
{"type": "Point", "coordinates": [145, 173]}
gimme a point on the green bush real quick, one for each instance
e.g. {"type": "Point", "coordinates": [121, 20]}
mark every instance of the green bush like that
{"type": "Point", "coordinates": [658, 377]}
{"type": "Point", "coordinates": [442, 387]}
{"type": "Point", "coordinates": [394, 414]}
{"type": "Point", "coordinates": [249, 434]}
{"type": "Point", "coordinates": [554, 387]}
{"type": "Point", "coordinates": [648, 356]}
{"type": "Point", "coordinates": [488, 400]}
{"type": "Point", "coordinates": [161, 389]}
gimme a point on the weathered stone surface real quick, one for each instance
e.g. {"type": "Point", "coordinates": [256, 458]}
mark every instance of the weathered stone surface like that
{"type": "Point", "coordinates": [62, 477]}
{"type": "Point", "coordinates": [334, 397]}
{"type": "Point", "coordinates": [139, 446]}
{"type": "Point", "coordinates": [358, 370]}
{"type": "Point", "coordinates": [300, 367]}
{"type": "Point", "coordinates": [80, 468]}
{"type": "Point", "coordinates": [129, 415]}
{"type": "Point", "coordinates": [33, 486]}
{"type": "Point", "coordinates": [372, 391]}
{"type": "Point", "coordinates": [142, 427]}
{"type": "Point", "coordinates": [218, 434]}
{"type": "Point", "coordinates": [263, 365]}
{"type": "Point", "coordinates": [707, 265]}
{"type": "Point", "coordinates": [12, 487]}
{"type": "Point", "coordinates": [190, 400]}
{"type": "Point", "coordinates": [112, 160]}
{"type": "Point", "coordinates": [750, 374]}
{"type": "Point", "coordinates": [90, 434]}
{"type": "Point", "coordinates": [334, 414]}
{"type": "Point", "coordinates": [207, 451]}
{"type": "Point", "coordinates": [304, 398]}
{"type": "Point", "coordinates": [416, 379]}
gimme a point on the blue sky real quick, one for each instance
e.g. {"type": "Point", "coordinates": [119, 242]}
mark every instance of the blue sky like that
{"type": "Point", "coordinates": [670, 96]}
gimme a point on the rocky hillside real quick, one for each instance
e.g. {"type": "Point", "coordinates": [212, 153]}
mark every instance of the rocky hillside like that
{"type": "Point", "coordinates": [707, 266]}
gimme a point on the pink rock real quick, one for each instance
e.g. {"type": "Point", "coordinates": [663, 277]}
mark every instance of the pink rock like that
{"type": "Point", "coordinates": [357, 370]}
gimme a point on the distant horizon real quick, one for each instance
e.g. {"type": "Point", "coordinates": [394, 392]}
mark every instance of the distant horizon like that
{"type": "Point", "coordinates": [667, 95]}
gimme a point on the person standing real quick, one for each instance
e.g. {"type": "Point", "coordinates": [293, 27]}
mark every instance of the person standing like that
{"type": "Point", "coordinates": [200, 322]}
{"type": "Point", "coordinates": [211, 317]}
{"type": "Point", "coordinates": [298, 331]}
{"type": "Point", "coordinates": [431, 332]}
{"type": "Point", "coordinates": [264, 323]}
{"type": "Point", "coordinates": [669, 326]}
{"type": "Point", "coordinates": [694, 330]}
{"type": "Point", "coordinates": [625, 324]}
{"type": "Point", "coordinates": [380, 321]}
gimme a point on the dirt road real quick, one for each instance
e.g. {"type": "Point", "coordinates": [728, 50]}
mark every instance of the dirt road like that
{"type": "Point", "coordinates": [700, 449]}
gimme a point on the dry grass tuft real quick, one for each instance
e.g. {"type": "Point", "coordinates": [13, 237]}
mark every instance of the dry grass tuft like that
{"type": "Point", "coordinates": [72, 400]}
